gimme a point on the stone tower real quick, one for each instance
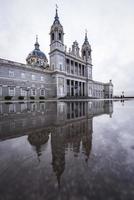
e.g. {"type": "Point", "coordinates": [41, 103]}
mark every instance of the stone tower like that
{"type": "Point", "coordinates": [57, 49]}
{"type": "Point", "coordinates": [86, 56]}
{"type": "Point", "coordinates": [57, 56]}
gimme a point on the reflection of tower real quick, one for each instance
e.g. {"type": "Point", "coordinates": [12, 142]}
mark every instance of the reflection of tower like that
{"type": "Point", "coordinates": [58, 152]}
{"type": "Point", "coordinates": [73, 137]}
{"type": "Point", "coordinates": [77, 133]}
{"type": "Point", "coordinates": [87, 139]}
{"type": "Point", "coordinates": [70, 136]}
{"type": "Point", "coordinates": [37, 140]}
{"type": "Point", "coordinates": [80, 130]}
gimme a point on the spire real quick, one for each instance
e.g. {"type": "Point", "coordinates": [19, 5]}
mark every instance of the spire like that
{"type": "Point", "coordinates": [56, 15]}
{"type": "Point", "coordinates": [36, 43]}
{"type": "Point", "coordinates": [86, 42]}
{"type": "Point", "coordinates": [36, 38]}
{"type": "Point", "coordinates": [86, 49]}
{"type": "Point", "coordinates": [86, 39]}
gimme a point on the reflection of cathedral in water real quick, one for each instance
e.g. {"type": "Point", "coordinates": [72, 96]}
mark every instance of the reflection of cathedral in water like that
{"type": "Point", "coordinates": [68, 126]}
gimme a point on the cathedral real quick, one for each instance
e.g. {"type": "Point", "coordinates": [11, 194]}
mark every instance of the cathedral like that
{"type": "Point", "coordinates": [67, 75]}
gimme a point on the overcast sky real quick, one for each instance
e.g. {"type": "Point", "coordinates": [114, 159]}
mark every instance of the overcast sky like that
{"type": "Point", "coordinates": [110, 25]}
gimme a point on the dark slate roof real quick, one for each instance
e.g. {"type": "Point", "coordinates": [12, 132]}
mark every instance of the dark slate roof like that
{"type": "Point", "coordinates": [37, 53]}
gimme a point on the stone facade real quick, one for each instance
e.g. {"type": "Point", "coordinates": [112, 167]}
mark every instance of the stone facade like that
{"type": "Point", "coordinates": [69, 74]}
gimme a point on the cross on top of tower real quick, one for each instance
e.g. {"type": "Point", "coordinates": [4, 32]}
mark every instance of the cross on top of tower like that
{"type": "Point", "coordinates": [86, 35]}
{"type": "Point", "coordinates": [36, 43]}
{"type": "Point", "coordinates": [56, 15]}
{"type": "Point", "coordinates": [36, 38]}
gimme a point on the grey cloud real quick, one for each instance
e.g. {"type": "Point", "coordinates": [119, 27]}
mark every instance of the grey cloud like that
{"type": "Point", "coordinates": [110, 32]}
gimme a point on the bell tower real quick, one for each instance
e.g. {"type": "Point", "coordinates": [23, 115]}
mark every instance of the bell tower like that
{"type": "Point", "coordinates": [57, 48]}
{"type": "Point", "coordinates": [86, 50]}
{"type": "Point", "coordinates": [86, 56]}
{"type": "Point", "coordinates": [56, 34]}
{"type": "Point", "coordinates": [57, 56]}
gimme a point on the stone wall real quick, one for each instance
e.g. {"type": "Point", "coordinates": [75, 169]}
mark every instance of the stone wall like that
{"type": "Point", "coordinates": [19, 76]}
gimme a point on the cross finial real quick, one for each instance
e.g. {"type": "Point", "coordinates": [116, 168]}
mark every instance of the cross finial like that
{"type": "Point", "coordinates": [36, 43]}
{"type": "Point", "coordinates": [56, 6]}
{"type": "Point", "coordinates": [36, 38]}
{"type": "Point", "coordinates": [86, 35]}
{"type": "Point", "coordinates": [56, 15]}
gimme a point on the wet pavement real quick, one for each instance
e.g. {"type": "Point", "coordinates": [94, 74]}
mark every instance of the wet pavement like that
{"type": "Point", "coordinates": [67, 150]}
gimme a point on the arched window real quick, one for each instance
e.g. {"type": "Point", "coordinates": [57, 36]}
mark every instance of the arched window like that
{"type": "Point", "coordinates": [52, 36]}
{"type": "Point", "coordinates": [84, 53]}
{"type": "Point", "coordinates": [59, 36]}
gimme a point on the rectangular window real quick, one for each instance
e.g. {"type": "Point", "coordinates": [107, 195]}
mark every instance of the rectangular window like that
{"type": "Point", "coordinates": [11, 91]}
{"type": "Point", "coordinates": [76, 68]}
{"type": "Point", "coordinates": [33, 77]}
{"type": "Point", "coordinates": [11, 73]}
{"type": "Point", "coordinates": [0, 91]}
{"type": "Point", "coordinates": [42, 78]}
{"type": "Point", "coordinates": [68, 69]}
{"type": "Point", "coordinates": [83, 70]}
{"type": "Point", "coordinates": [79, 69]}
{"type": "Point", "coordinates": [61, 68]}
{"type": "Point", "coordinates": [42, 92]}
{"type": "Point", "coordinates": [22, 75]}
{"type": "Point", "coordinates": [23, 92]}
{"type": "Point", "coordinates": [33, 92]}
{"type": "Point", "coordinates": [53, 66]}
{"type": "Point", "coordinates": [67, 61]}
{"type": "Point", "coordinates": [72, 69]}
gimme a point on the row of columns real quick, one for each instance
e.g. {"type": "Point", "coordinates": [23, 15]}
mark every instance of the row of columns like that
{"type": "Point", "coordinates": [76, 88]}
{"type": "Point", "coordinates": [98, 93]}
{"type": "Point", "coordinates": [76, 68]}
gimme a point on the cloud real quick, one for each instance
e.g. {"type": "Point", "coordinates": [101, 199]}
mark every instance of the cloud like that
{"type": "Point", "coordinates": [110, 32]}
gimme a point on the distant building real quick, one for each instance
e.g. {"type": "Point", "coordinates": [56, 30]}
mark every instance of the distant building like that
{"type": "Point", "coordinates": [68, 75]}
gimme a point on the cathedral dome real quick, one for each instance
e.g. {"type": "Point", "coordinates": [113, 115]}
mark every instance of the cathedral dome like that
{"type": "Point", "coordinates": [37, 57]}
{"type": "Point", "coordinates": [37, 53]}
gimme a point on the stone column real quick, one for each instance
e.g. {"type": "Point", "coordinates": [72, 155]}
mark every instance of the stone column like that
{"type": "Point", "coordinates": [70, 112]}
{"type": "Point", "coordinates": [81, 88]}
{"type": "Point", "coordinates": [70, 88]}
{"type": "Point", "coordinates": [78, 88]}
{"type": "Point", "coordinates": [74, 87]}
{"type": "Point", "coordinates": [74, 111]}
